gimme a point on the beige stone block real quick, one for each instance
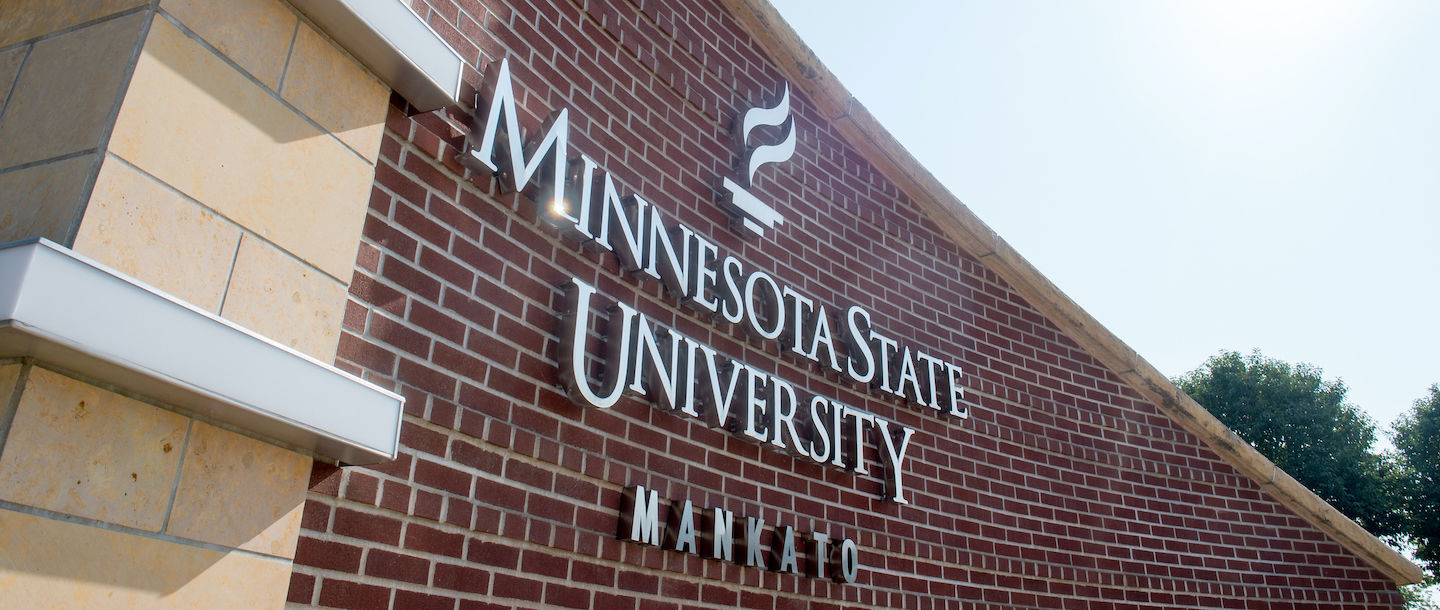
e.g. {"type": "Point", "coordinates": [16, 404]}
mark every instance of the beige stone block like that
{"type": "Point", "coordinates": [54, 564]}
{"type": "Point", "coordinates": [156, 235]}
{"type": "Point", "coordinates": [26, 19]}
{"type": "Point", "coordinates": [43, 200]}
{"type": "Point", "coordinates": [65, 95]}
{"type": "Point", "coordinates": [254, 33]}
{"type": "Point", "coordinates": [80, 450]}
{"type": "Point", "coordinates": [238, 492]}
{"type": "Point", "coordinates": [329, 86]}
{"type": "Point", "coordinates": [200, 126]}
{"type": "Point", "coordinates": [277, 296]}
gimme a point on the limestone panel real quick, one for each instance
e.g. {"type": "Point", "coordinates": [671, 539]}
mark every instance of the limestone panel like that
{"type": "Point", "coordinates": [26, 19]}
{"type": "Point", "coordinates": [238, 492]}
{"type": "Point", "coordinates": [80, 450]}
{"type": "Point", "coordinates": [275, 295]}
{"type": "Point", "coordinates": [43, 200]}
{"type": "Point", "coordinates": [254, 33]}
{"type": "Point", "coordinates": [65, 95]}
{"type": "Point", "coordinates": [330, 87]}
{"type": "Point", "coordinates": [149, 231]}
{"type": "Point", "coordinates": [46, 563]}
{"type": "Point", "coordinates": [204, 128]}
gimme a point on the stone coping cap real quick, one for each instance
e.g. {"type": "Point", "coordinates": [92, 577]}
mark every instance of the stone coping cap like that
{"type": "Point", "coordinates": [395, 44]}
{"type": "Point", "coordinates": [82, 317]}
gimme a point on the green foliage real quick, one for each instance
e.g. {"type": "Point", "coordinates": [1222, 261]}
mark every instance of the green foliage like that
{"type": "Point", "coordinates": [1417, 437]}
{"type": "Point", "coordinates": [1418, 597]}
{"type": "Point", "coordinates": [1303, 424]}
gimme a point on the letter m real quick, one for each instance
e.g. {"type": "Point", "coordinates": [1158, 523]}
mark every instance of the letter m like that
{"type": "Point", "coordinates": [643, 520]}
{"type": "Point", "coordinates": [500, 150]}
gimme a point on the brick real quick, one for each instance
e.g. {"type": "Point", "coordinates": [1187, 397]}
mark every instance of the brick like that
{"type": "Point", "coordinates": [428, 505]}
{"type": "Point", "coordinates": [527, 474]}
{"type": "Point", "coordinates": [430, 540]}
{"type": "Point", "coordinates": [328, 555]}
{"type": "Point", "coordinates": [425, 378]}
{"type": "Point", "coordinates": [639, 582]}
{"type": "Point", "coordinates": [494, 554]}
{"type": "Point", "coordinates": [468, 604]}
{"type": "Point", "coordinates": [434, 474]}
{"type": "Point", "coordinates": [590, 573]}
{"type": "Point", "coordinates": [517, 587]}
{"type": "Point", "coordinates": [423, 439]}
{"type": "Point", "coordinates": [566, 597]}
{"type": "Point", "coordinates": [459, 362]}
{"type": "Point", "coordinates": [404, 187]}
{"type": "Point", "coordinates": [302, 589]}
{"type": "Point", "coordinates": [325, 479]}
{"type": "Point", "coordinates": [409, 278]}
{"type": "Point", "coordinates": [395, 566]}
{"type": "Point", "coordinates": [461, 578]}
{"type": "Point", "coordinates": [315, 516]}
{"type": "Point", "coordinates": [459, 512]}
{"type": "Point", "coordinates": [374, 528]}
{"type": "Point", "coordinates": [544, 564]}
{"type": "Point", "coordinates": [395, 496]}
{"type": "Point", "coordinates": [422, 601]}
{"type": "Point", "coordinates": [373, 293]}
{"type": "Point", "coordinates": [436, 322]}
{"type": "Point", "coordinates": [365, 354]}
{"type": "Point", "coordinates": [393, 333]}
{"type": "Point", "coordinates": [433, 178]}
{"type": "Point", "coordinates": [361, 487]}
{"type": "Point", "coordinates": [336, 593]}
{"type": "Point", "coordinates": [476, 457]}
{"type": "Point", "coordinates": [448, 270]}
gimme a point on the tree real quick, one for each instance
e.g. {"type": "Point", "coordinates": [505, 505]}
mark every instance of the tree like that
{"type": "Point", "coordinates": [1417, 438]}
{"type": "Point", "coordinates": [1303, 424]}
{"type": "Point", "coordinates": [1416, 598]}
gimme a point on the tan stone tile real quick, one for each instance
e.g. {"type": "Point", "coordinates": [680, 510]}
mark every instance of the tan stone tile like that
{"type": "Point", "coordinates": [80, 450]}
{"type": "Point", "coordinates": [148, 231]}
{"type": "Point", "coordinates": [46, 563]}
{"type": "Point", "coordinates": [26, 19]}
{"type": "Point", "coordinates": [254, 33]}
{"type": "Point", "coordinates": [238, 492]}
{"type": "Point", "coordinates": [199, 125]}
{"type": "Point", "coordinates": [330, 87]}
{"type": "Point", "coordinates": [43, 200]}
{"type": "Point", "coordinates": [277, 296]}
{"type": "Point", "coordinates": [66, 92]}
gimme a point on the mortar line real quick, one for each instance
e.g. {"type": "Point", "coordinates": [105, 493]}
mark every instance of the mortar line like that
{"type": "Point", "coordinates": [179, 470]}
{"type": "Point", "coordinates": [112, 117]}
{"type": "Point", "coordinates": [12, 403]}
{"type": "Point", "coordinates": [133, 531]}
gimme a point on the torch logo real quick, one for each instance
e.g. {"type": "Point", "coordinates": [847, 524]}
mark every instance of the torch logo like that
{"type": "Point", "coordinates": [749, 214]}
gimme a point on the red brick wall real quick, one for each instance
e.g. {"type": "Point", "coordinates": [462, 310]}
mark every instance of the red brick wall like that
{"type": "Point", "coordinates": [1063, 489]}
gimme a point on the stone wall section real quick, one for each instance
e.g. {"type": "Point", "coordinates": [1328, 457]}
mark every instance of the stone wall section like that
{"type": "Point", "coordinates": [221, 152]}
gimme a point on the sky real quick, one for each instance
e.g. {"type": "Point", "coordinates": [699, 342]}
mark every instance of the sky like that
{"type": "Point", "coordinates": [1198, 175]}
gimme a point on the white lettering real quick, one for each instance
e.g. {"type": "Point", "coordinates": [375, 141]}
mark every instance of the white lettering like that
{"type": "Point", "coordinates": [644, 521]}
{"type": "Point", "coordinates": [858, 347]}
{"type": "Point", "coordinates": [684, 527]}
{"type": "Point", "coordinates": [893, 458]}
{"type": "Point", "coordinates": [518, 170]}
